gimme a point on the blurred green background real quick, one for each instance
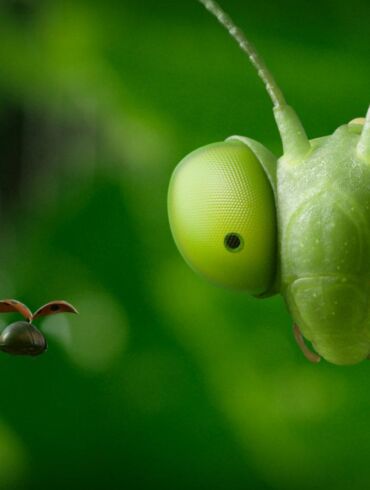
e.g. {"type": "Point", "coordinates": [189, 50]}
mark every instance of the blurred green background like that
{"type": "Point", "coordinates": [163, 381]}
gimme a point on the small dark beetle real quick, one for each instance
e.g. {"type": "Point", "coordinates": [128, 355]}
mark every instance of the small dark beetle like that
{"type": "Point", "coordinates": [22, 338]}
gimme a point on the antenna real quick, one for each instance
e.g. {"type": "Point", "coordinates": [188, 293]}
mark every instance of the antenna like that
{"type": "Point", "coordinates": [293, 135]}
{"type": "Point", "coordinates": [248, 48]}
{"type": "Point", "coordinates": [363, 146]}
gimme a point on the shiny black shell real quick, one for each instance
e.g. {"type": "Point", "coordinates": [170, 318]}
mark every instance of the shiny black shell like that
{"type": "Point", "coordinates": [22, 339]}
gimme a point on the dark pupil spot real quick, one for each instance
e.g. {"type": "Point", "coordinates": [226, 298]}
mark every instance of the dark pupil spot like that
{"type": "Point", "coordinates": [232, 241]}
{"type": "Point", "coordinates": [54, 307]}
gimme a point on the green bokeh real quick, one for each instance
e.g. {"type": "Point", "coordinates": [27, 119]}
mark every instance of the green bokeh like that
{"type": "Point", "coordinates": [163, 381]}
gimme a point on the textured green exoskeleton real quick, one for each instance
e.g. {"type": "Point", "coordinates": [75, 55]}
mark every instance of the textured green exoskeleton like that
{"type": "Point", "coordinates": [298, 225]}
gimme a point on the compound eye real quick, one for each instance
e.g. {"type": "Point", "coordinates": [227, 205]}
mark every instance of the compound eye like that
{"type": "Point", "coordinates": [222, 216]}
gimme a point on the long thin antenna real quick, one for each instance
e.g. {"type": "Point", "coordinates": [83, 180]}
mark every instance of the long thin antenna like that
{"type": "Point", "coordinates": [293, 135]}
{"type": "Point", "coordinates": [262, 70]}
{"type": "Point", "coordinates": [363, 146]}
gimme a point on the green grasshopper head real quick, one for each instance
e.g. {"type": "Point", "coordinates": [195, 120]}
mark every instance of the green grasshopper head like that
{"type": "Point", "coordinates": [246, 220]}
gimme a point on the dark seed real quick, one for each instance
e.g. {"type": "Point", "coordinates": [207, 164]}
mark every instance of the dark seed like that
{"type": "Point", "coordinates": [22, 339]}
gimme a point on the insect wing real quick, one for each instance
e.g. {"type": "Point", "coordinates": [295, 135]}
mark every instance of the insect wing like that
{"type": "Point", "coordinates": [54, 307]}
{"type": "Point", "coordinates": [12, 305]}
